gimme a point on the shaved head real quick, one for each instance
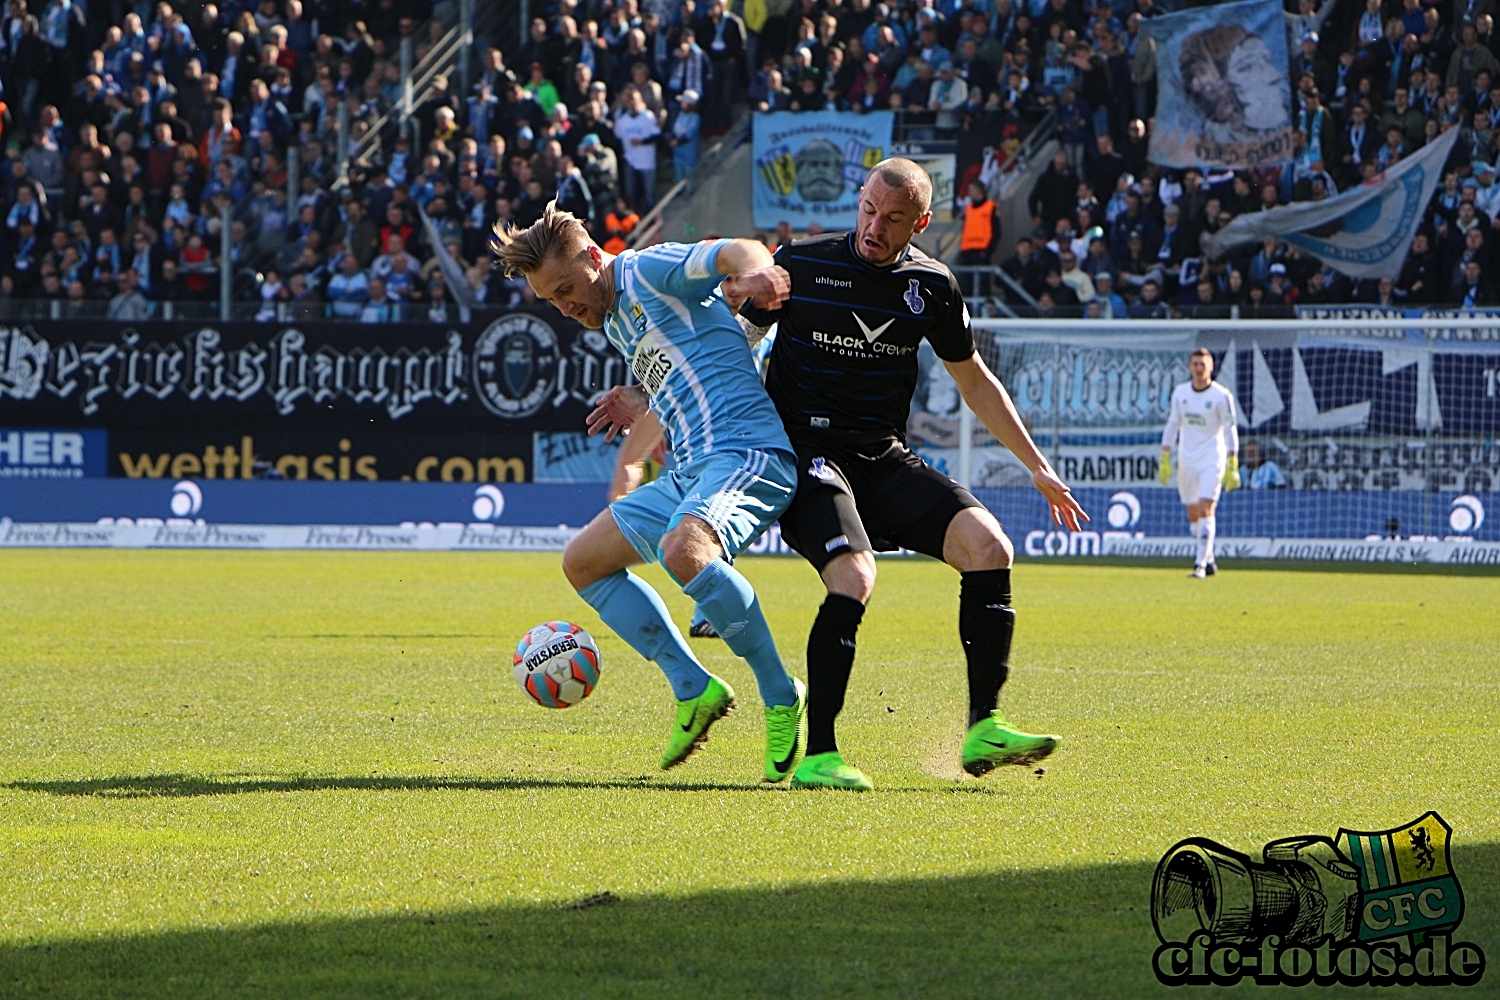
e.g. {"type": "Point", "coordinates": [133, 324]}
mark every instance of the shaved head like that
{"type": "Point", "coordinates": [894, 206]}
{"type": "Point", "coordinates": [903, 174]}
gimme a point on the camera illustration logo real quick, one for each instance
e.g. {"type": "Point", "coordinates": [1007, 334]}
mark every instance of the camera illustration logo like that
{"type": "Point", "coordinates": [1364, 908]}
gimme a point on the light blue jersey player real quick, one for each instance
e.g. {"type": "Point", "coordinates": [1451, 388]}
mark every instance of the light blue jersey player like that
{"type": "Point", "coordinates": [734, 467]}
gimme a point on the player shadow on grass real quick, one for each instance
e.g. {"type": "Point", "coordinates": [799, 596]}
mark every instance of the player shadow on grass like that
{"type": "Point", "coordinates": [1078, 931]}
{"type": "Point", "coordinates": [193, 786]}
{"type": "Point", "coordinates": [1086, 932]}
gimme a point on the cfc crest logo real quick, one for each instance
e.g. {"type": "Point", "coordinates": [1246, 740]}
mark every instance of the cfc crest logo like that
{"type": "Point", "coordinates": [1373, 909]}
{"type": "Point", "coordinates": [515, 365]}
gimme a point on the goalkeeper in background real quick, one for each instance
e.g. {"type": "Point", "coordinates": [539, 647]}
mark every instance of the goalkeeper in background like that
{"type": "Point", "coordinates": [1201, 425]}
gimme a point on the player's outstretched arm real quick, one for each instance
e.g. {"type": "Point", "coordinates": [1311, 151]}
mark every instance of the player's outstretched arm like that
{"type": "Point", "coordinates": [994, 408]}
{"type": "Point", "coordinates": [751, 273]}
{"type": "Point", "coordinates": [643, 436]}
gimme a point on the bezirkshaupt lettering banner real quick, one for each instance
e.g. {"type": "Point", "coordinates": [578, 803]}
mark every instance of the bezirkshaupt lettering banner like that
{"type": "Point", "coordinates": [527, 370]}
{"type": "Point", "coordinates": [1363, 232]}
{"type": "Point", "coordinates": [1223, 99]}
{"type": "Point", "coordinates": [809, 166]}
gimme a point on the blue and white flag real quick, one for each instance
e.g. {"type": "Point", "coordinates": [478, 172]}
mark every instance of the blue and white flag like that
{"type": "Point", "coordinates": [809, 166]}
{"type": "Point", "coordinates": [1223, 99]}
{"type": "Point", "coordinates": [453, 275]}
{"type": "Point", "coordinates": [1363, 232]}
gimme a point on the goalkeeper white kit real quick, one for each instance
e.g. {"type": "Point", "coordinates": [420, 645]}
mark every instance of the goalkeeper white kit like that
{"type": "Point", "coordinates": [1202, 426]}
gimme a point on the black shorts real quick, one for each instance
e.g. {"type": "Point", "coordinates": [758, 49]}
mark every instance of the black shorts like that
{"type": "Point", "coordinates": [854, 500]}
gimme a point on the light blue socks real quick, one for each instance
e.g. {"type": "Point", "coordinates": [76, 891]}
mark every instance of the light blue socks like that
{"type": "Point", "coordinates": [729, 603]}
{"type": "Point", "coordinates": [636, 614]}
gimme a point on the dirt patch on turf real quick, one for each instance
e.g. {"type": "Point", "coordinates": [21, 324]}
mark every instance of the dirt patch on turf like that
{"type": "Point", "coordinates": [940, 760]}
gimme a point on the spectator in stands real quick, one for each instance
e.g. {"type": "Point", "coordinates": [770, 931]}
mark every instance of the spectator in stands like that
{"type": "Point", "coordinates": [1260, 473]}
{"type": "Point", "coordinates": [573, 194]}
{"type": "Point", "coordinates": [981, 227]}
{"type": "Point", "coordinates": [376, 308]}
{"type": "Point", "coordinates": [166, 122]}
{"type": "Point", "coordinates": [688, 67]}
{"type": "Point", "coordinates": [684, 136]}
{"type": "Point", "coordinates": [348, 288]}
{"type": "Point", "coordinates": [1027, 267]}
{"type": "Point", "coordinates": [948, 93]}
{"type": "Point", "coordinates": [395, 253]}
{"type": "Point", "coordinates": [1054, 195]}
{"type": "Point", "coordinates": [1076, 278]}
{"type": "Point", "coordinates": [724, 39]}
{"type": "Point", "coordinates": [1150, 305]}
{"type": "Point", "coordinates": [1104, 292]}
{"type": "Point", "coordinates": [637, 130]}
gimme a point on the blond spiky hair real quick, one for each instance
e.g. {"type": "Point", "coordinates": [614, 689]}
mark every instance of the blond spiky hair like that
{"type": "Point", "coordinates": [555, 234]}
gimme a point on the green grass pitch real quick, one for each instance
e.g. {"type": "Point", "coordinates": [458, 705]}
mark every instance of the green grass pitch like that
{"type": "Point", "coordinates": [312, 775]}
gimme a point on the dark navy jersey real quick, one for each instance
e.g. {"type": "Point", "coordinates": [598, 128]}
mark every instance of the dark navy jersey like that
{"type": "Point", "coordinates": [845, 358]}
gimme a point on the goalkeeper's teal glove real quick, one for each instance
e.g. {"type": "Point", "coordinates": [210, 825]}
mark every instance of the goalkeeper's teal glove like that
{"type": "Point", "coordinates": [1232, 474]}
{"type": "Point", "coordinates": [1164, 467]}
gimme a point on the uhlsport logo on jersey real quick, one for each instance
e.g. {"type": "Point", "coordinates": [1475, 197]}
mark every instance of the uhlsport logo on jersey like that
{"type": "Point", "coordinates": [1378, 908]}
{"type": "Point", "coordinates": [515, 365]}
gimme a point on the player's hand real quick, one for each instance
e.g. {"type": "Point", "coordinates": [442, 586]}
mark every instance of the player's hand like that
{"type": "Point", "coordinates": [1164, 468]}
{"type": "Point", "coordinates": [1232, 474]}
{"type": "Point", "coordinates": [617, 410]}
{"type": "Point", "coordinates": [766, 288]}
{"type": "Point", "coordinates": [1065, 509]}
{"type": "Point", "coordinates": [626, 478]}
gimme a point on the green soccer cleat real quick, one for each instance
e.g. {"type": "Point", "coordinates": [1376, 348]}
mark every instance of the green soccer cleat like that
{"type": "Point", "coordinates": [694, 716]}
{"type": "Point", "coordinates": [991, 742]}
{"type": "Point", "coordinates": [828, 770]}
{"type": "Point", "coordinates": [786, 735]}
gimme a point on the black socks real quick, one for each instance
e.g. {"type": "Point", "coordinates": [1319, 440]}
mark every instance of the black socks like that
{"type": "Point", "coordinates": [830, 658]}
{"type": "Point", "coordinates": [985, 625]}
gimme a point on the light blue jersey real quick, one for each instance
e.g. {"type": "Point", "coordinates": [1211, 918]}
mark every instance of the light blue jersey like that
{"type": "Point", "coordinates": [734, 468]}
{"type": "Point", "coordinates": [689, 353]}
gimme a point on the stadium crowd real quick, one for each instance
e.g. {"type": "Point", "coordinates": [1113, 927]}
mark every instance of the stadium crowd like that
{"type": "Point", "coordinates": [130, 128]}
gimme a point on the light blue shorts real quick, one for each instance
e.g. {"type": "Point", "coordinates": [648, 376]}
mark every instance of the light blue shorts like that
{"type": "Point", "coordinates": [738, 493]}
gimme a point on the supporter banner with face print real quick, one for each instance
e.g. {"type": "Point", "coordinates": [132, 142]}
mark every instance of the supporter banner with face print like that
{"type": "Point", "coordinates": [1223, 98]}
{"type": "Point", "coordinates": [809, 166]}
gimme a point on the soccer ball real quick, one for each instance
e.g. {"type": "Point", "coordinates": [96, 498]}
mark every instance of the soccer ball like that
{"type": "Point", "coordinates": [557, 664]}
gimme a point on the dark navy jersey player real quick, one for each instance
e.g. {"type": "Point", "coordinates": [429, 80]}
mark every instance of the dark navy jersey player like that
{"type": "Point", "coordinates": [841, 373]}
{"type": "Point", "coordinates": [844, 364]}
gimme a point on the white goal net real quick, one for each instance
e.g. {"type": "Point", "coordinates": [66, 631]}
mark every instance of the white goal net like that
{"type": "Point", "coordinates": [1362, 437]}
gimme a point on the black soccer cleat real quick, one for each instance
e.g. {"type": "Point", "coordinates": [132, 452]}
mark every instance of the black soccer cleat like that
{"type": "Point", "coordinates": [1210, 569]}
{"type": "Point", "coordinates": [702, 630]}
